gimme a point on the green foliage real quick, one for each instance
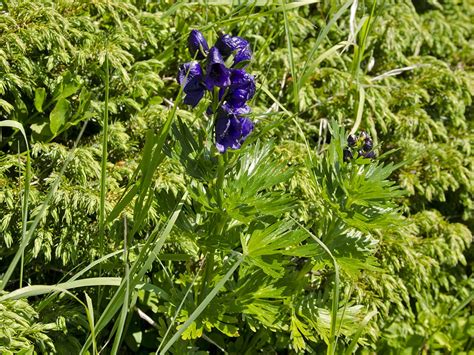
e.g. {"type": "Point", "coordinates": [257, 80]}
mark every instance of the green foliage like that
{"type": "Point", "coordinates": [281, 246]}
{"type": "Point", "coordinates": [20, 330]}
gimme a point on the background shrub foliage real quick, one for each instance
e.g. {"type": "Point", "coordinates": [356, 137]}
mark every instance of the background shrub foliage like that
{"type": "Point", "coordinates": [294, 250]}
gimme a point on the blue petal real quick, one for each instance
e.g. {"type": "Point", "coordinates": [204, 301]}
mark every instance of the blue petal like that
{"type": "Point", "coordinates": [231, 127]}
{"type": "Point", "coordinates": [229, 44]}
{"type": "Point", "coordinates": [191, 78]}
{"type": "Point", "coordinates": [228, 133]}
{"type": "Point", "coordinates": [243, 55]}
{"type": "Point", "coordinates": [247, 127]}
{"type": "Point", "coordinates": [194, 96]}
{"type": "Point", "coordinates": [217, 73]}
{"type": "Point", "coordinates": [197, 45]}
{"type": "Point", "coordinates": [189, 73]}
{"type": "Point", "coordinates": [241, 89]}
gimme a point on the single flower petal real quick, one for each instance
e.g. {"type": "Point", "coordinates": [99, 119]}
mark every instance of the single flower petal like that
{"type": "Point", "coordinates": [190, 76]}
{"type": "Point", "coordinates": [231, 128]}
{"type": "Point", "coordinates": [228, 133]}
{"type": "Point", "coordinates": [217, 73]}
{"type": "Point", "coordinates": [351, 140]}
{"type": "Point", "coordinates": [235, 111]}
{"type": "Point", "coordinates": [194, 96]}
{"type": "Point", "coordinates": [243, 55]}
{"type": "Point", "coordinates": [347, 155]}
{"type": "Point", "coordinates": [246, 128]}
{"type": "Point", "coordinates": [228, 44]}
{"type": "Point", "coordinates": [368, 144]}
{"type": "Point", "coordinates": [241, 89]}
{"type": "Point", "coordinates": [197, 45]}
{"type": "Point", "coordinates": [189, 73]}
{"type": "Point", "coordinates": [233, 44]}
{"type": "Point", "coordinates": [370, 155]}
{"type": "Point", "coordinates": [237, 97]}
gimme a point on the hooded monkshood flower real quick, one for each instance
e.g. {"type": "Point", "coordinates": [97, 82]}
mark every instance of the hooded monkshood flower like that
{"type": "Point", "coordinates": [233, 44]}
{"type": "Point", "coordinates": [217, 73]}
{"type": "Point", "coordinates": [191, 78]}
{"type": "Point", "coordinates": [232, 128]}
{"type": "Point", "coordinates": [361, 143]}
{"type": "Point", "coordinates": [197, 45]}
{"type": "Point", "coordinates": [241, 89]}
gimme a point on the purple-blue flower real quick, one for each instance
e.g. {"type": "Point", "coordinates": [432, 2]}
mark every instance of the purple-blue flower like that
{"type": "Point", "coordinates": [197, 45]}
{"type": "Point", "coordinates": [191, 78]}
{"type": "Point", "coordinates": [241, 89]}
{"type": "Point", "coordinates": [217, 73]}
{"type": "Point", "coordinates": [233, 44]}
{"type": "Point", "coordinates": [231, 127]}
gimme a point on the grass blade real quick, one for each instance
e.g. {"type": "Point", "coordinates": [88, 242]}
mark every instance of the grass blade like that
{"type": "Point", "coordinates": [90, 318]}
{"type": "Point", "coordinates": [305, 73]}
{"type": "Point", "coordinates": [36, 290]}
{"type": "Point", "coordinates": [291, 59]}
{"type": "Point", "coordinates": [352, 346]}
{"type": "Point", "coordinates": [360, 110]}
{"type": "Point", "coordinates": [103, 163]}
{"type": "Point", "coordinates": [125, 305]}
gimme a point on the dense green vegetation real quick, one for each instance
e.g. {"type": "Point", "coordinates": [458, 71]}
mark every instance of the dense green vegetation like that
{"type": "Point", "coordinates": [123, 230]}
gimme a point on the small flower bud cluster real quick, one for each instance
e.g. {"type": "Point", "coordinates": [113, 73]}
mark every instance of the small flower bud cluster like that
{"type": "Point", "coordinates": [361, 146]}
{"type": "Point", "coordinates": [225, 78]}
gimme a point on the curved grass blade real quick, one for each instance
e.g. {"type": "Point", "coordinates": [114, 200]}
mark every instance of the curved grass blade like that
{"type": "Point", "coordinates": [36, 290]}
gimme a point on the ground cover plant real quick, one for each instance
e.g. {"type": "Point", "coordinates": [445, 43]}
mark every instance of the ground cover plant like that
{"type": "Point", "coordinates": [247, 177]}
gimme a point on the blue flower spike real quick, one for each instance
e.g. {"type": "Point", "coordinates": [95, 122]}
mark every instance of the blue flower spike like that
{"type": "Point", "coordinates": [197, 45]}
{"type": "Point", "coordinates": [230, 85]}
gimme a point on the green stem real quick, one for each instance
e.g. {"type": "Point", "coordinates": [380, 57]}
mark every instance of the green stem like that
{"type": "Point", "coordinates": [220, 179]}
{"type": "Point", "coordinates": [208, 274]}
{"type": "Point", "coordinates": [217, 229]}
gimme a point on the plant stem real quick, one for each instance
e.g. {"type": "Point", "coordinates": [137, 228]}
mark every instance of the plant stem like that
{"type": "Point", "coordinates": [208, 273]}
{"type": "Point", "coordinates": [220, 179]}
{"type": "Point", "coordinates": [219, 227]}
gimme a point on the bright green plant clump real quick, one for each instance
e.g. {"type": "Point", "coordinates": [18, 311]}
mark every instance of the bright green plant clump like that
{"type": "Point", "coordinates": [20, 331]}
{"type": "Point", "coordinates": [145, 208]}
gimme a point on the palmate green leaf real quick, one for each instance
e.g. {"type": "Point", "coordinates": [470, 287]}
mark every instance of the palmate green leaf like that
{"type": "Point", "coordinates": [351, 247]}
{"type": "Point", "coordinates": [267, 242]}
{"type": "Point", "coordinates": [318, 320]}
{"type": "Point", "coordinates": [250, 190]}
{"type": "Point", "coordinates": [273, 239]}
{"type": "Point", "coordinates": [191, 150]}
{"type": "Point", "coordinates": [299, 331]}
